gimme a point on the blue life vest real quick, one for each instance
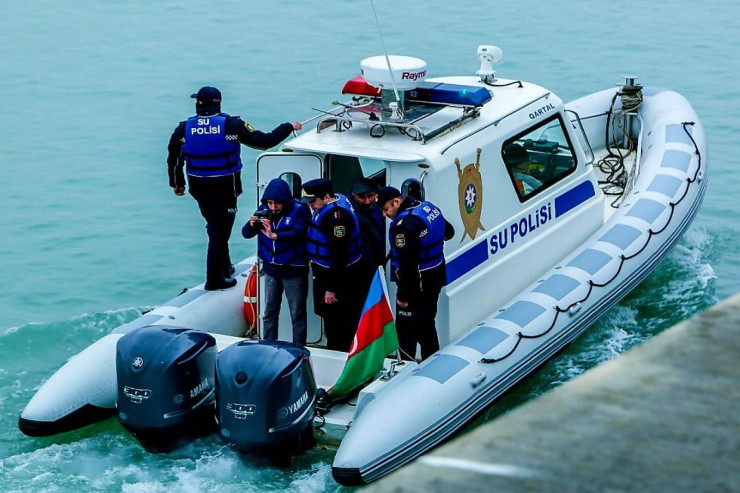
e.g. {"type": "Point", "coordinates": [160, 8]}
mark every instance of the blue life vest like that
{"type": "Point", "coordinates": [206, 150]}
{"type": "Point", "coordinates": [281, 252]}
{"type": "Point", "coordinates": [317, 247]}
{"type": "Point", "coordinates": [431, 245]}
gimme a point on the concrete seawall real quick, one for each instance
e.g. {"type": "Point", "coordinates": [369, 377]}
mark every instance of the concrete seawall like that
{"type": "Point", "coordinates": [664, 416]}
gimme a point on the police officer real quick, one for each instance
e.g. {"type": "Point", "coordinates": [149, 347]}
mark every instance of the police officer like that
{"type": "Point", "coordinates": [522, 169]}
{"type": "Point", "coordinates": [207, 145]}
{"type": "Point", "coordinates": [341, 274]}
{"type": "Point", "coordinates": [416, 235]}
{"type": "Point", "coordinates": [281, 223]}
{"type": "Point", "coordinates": [372, 227]}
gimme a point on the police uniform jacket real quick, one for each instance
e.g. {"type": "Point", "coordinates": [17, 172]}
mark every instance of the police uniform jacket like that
{"type": "Point", "coordinates": [284, 256]}
{"type": "Point", "coordinates": [372, 229]}
{"type": "Point", "coordinates": [338, 227]}
{"type": "Point", "coordinates": [405, 235]}
{"type": "Point", "coordinates": [235, 130]}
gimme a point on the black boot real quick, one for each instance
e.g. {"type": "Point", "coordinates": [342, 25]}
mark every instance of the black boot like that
{"type": "Point", "coordinates": [223, 283]}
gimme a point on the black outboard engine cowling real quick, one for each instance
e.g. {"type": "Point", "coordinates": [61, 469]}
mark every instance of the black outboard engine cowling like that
{"type": "Point", "coordinates": [265, 398]}
{"type": "Point", "coordinates": [166, 385]}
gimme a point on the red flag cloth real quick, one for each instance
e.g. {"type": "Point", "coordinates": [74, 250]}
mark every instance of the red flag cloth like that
{"type": "Point", "coordinates": [374, 340]}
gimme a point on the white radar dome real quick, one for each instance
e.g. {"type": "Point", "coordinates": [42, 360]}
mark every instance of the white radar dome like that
{"type": "Point", "coordinates": [408, 72]}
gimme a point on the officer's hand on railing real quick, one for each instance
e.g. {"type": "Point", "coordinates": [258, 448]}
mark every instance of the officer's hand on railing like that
{"type": "Point", "coordinates": [330, 298]}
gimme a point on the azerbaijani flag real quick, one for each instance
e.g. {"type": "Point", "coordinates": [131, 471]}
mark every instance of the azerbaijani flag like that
{"type": "Point", "coordinates": [374, 340]}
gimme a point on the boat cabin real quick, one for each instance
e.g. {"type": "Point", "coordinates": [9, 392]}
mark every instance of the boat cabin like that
{"type": "Point", "coordinates": [500, 158]}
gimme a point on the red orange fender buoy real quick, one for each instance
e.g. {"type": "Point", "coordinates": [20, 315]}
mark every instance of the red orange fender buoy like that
{"type": "Point", "coordinates": [250, 300]}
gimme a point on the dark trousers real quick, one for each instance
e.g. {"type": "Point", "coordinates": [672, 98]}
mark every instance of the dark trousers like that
{"type": "Point", "coordinates": [415, 323]}
{"type": "Point", "coordinates": [296, 290]}
{"type": "Point", "coordinates": [216, 197]}
{"type": "Point", "coordinates": [341, 318]}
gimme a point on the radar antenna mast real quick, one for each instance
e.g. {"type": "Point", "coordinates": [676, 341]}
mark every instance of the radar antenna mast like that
{"type": "Point", "coordinates": [388, 62]}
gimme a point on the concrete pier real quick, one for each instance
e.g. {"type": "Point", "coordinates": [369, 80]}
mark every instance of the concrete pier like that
{"type": "Point", "coordinates": [664, 417]}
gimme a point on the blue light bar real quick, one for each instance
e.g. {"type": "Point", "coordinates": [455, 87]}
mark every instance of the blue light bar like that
{"type": "Point", "coordinates": [441, 92]}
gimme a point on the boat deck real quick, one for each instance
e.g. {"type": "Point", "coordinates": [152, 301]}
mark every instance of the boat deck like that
{"type": "Point", "coordinates": [330, 428]}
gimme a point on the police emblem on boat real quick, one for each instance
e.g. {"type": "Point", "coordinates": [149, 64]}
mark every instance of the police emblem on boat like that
{"type": "Point", "coordinates": [470, 196]}
{"type": "Point", "coordinates": [138, 362]}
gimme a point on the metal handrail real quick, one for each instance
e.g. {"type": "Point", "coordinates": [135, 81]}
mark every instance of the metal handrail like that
{"type": "Point", "coordinates": [419, 135]}
{"type": "Point", "coordinates": [585, 137]}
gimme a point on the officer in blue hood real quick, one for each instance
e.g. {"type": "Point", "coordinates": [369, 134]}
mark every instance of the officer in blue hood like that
{"type": "Point", "coordinates": [207, 147]}
{"type": "Point", "coordinates": [281, 225]}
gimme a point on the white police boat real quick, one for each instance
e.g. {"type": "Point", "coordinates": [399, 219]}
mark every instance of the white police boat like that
{"type": "Point", "coordinates": [560, 209]}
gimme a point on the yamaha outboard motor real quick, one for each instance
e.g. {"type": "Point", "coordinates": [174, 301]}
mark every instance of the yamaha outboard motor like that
{"type": "Point", "coordinates": [166, 385]}
{"type": "Point", "coordinates": [265, 398]}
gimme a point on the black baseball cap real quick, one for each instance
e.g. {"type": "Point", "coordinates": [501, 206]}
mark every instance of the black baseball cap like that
{"type": "Point", "coordinates": [208, 95]}
{"type": "Point", "coordinates": [385, 194]}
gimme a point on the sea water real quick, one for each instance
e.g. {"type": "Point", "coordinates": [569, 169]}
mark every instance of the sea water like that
{"type": "Point", "coordinates": [91, 234]}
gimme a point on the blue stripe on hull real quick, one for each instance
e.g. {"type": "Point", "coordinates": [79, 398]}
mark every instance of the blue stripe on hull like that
{"type": "Point", "coordinates": [467, 261]}
{"type": "Point", "coordinates": [574, 197]}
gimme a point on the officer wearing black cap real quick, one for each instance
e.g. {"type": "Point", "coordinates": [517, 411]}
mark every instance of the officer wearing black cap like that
{"type": "Point", "coordinates": [207, 147]}
{"type": "Point", "coordinates": [372, 227]}
{"type": "Point", "coordinates": [341, 273]}
{"type": "Point", "coordinates": [416, 235]}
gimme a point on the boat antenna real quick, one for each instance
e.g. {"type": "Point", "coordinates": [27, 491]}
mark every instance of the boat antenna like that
{"type": "Point", "coordinates": [385, 51]}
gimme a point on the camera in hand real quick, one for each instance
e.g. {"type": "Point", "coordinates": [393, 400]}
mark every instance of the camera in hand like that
{"type": "Point", "coordinates": [265, 214]}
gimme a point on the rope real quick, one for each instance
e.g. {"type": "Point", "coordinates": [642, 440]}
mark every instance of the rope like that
{"type": "Point", "coordinates": [612, 165]}
{"type": "Point", "coordinates": [409, 356]}
{"type": "Point", "coordinates": [320, 415]}
{"type": "Point", "coordinates": [411, 133]}
{"type": "Point", "coordinates": [377, 131]}
{"type": "Point", "coordinates": [518, 82]}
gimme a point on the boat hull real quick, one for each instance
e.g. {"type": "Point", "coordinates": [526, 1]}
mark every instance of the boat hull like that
{"type": "Point", "coordinates": [465, 377]}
